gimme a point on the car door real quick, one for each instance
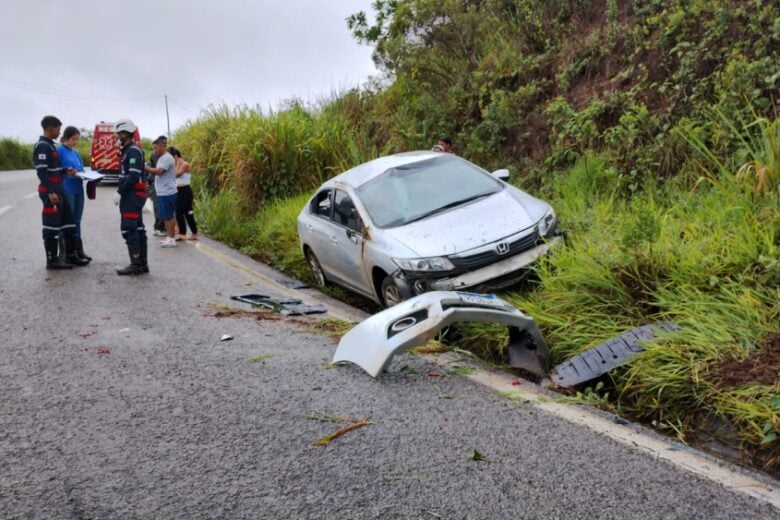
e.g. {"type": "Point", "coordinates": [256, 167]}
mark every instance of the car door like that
{"type": "Point", "coordinates": [318, 228]}
{"type": "Point", "coordinates": [347, 241]}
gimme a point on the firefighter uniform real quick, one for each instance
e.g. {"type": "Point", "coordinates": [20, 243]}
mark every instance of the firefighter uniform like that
{"type": "Point", "coordinates": [56, 217]}
{"type": "Point", "coordinates": [132, 191]}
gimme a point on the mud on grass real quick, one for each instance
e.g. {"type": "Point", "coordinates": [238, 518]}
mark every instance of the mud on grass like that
{"type": "Point", "coordinates": [762, 368]}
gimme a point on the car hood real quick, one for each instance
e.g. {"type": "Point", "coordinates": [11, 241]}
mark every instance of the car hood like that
{"type": "Point", "coordinates": [471, 225]}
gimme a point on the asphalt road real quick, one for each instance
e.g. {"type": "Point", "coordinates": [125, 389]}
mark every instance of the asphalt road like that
{"type": "Point", "coordinates": [170, 422]}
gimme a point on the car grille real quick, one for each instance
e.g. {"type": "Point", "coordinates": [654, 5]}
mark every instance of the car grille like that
{"type": "Point", "coordinates": [489, 257]}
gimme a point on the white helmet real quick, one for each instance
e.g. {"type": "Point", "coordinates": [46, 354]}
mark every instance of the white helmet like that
{"type": "Point", "coordinates": [125, 125]}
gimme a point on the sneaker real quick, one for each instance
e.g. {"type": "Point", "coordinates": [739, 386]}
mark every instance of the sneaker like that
{"type": "Point", "coordinates": [168, 242]}
{"type": "Point", "coordinates": [159, 233]}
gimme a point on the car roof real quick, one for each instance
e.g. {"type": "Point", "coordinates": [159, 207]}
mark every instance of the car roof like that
{"type": "Point", "coordinates": [363, 173]}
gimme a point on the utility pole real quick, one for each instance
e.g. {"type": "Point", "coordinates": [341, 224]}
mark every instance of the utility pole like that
{"type": "Point", "coordinates": [167, 117]}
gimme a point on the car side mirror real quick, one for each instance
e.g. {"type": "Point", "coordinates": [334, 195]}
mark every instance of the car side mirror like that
{"type": "Point", "coordinates": [502, 174]}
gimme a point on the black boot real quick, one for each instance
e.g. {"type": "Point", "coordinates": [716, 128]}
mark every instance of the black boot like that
{"type": "Point", "coordinates": [53, 261]}
{"type": "Point", "coordinates": [136, 264]}
{"type": "Point", "coordinates": [71, 255]}
{"type": "Point", "coordinates": [144, 259]}
{"type": "Point", "coordinates": [80, 250]}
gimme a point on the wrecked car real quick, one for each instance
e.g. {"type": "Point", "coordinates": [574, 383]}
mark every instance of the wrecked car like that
{"type": "Point", "coordinates": [410, 223]}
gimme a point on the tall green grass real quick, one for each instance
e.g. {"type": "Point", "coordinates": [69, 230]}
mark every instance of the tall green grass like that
{"type": "Point", "coordinates": [712, 266]}
{"type": "Point", "coordinates": [15, 155]}
{"type": "Point", "coordinates": [275, 155]}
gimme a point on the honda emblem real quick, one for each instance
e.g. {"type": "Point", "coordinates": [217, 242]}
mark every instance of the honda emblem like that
{"type": "Point", "coordinates": [502, 248]}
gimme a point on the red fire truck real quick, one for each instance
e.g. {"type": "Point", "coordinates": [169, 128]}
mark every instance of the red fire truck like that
{"type": "Point", "coordinates": [105, 153]}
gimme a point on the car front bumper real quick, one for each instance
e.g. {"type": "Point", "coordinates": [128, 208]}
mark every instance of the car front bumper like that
{"type": "Point", "coordinates": [494, 276]}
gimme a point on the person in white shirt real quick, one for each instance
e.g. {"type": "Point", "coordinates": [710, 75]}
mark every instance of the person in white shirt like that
{"type": "Point", "coordinates": [165, 186]}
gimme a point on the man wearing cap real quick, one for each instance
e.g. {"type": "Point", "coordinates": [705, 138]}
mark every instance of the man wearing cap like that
{"type": "Point", "coordinates": [57, 216]}
{"type": "Point", "coordinates": [132, 196]}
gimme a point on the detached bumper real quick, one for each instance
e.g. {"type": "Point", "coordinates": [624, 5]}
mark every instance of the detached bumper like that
{"type": "Point", "coordinates": [496, 273]}
{"type": "Point", "coordinates": [412, 323]}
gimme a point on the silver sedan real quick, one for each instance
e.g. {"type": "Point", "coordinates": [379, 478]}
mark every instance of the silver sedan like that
{"type": "Point", "coordinates": [410, 223]}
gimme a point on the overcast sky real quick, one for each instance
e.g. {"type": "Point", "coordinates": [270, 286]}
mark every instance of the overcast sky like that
{"type": "Point", "coordinates": [91, 60]}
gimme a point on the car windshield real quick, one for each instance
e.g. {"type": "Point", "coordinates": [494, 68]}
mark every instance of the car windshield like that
{"type": "Point", "coordinates": [415, 191]}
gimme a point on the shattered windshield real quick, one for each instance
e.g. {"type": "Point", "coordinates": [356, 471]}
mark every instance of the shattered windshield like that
{"type": "Point", "coordinates": [415, 191]}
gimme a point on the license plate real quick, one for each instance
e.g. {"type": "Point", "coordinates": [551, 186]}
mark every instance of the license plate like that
{"type": "Point", "coordinates": [486, 300]}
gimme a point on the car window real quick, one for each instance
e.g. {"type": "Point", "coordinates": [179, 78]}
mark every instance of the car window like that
{"type": "Point", "coordinates": [345, 212]}
{"type": "Point", "coordinates": [321, 204]}
{"type": "Point", "coordinates": [414, 191]}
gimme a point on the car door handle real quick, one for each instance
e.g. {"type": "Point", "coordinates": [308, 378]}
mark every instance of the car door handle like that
{"type": "Point", "coordinates": [334, 240]}
{"type": "Point", "coordinates": [309, 227]}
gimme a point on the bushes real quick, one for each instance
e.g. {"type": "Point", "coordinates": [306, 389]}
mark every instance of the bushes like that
{"type": "Point", "coordinates": [14, 155]}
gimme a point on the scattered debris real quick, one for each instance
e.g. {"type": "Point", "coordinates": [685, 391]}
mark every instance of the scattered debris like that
{"type": "Point", "coordinates": [516, 382]}
{"type": "Point", "coordinates": [103, 350]}
{"type": "Point", "coordinates": [354, 425]}
{"type": "Point", "coordinates": [284, 306]}
{"type": "Point", "coordinates": [126, 329]}
{"type": "Point", "coordinates": [261, 357]}
{"type": "Point", "coordinates": [434, 373]}
{"type": "Point", "coordinates": [460, 370]}
{"type": "Point", "coordinates": [412, 323]}
{"type": "Point", "coordinates": [476, 456]}
{"type": "Point", "coordinates": [599, 360]}
{"type": "Point", "coordinates": [292, 283]}
{"type": "Point", "coordinates": [86, 335]}
{"type": "Point", "coordinates": [226, 337]}
{"type": "Point", "coordinates": [432, 347]}
{"type": "Point", "coordinates": [333, 327]}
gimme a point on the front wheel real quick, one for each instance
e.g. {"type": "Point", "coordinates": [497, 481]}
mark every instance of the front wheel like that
{"type": "Point", "coordinates": [391, 294]}
{"type": "Point", "coordinates": [316, 269]}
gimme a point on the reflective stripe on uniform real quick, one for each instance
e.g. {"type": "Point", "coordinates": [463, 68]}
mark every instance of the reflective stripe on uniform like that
{"type": "Point", "coordinates": [131, 215]}
{"type": "Point", "coordinates": [50, 211]}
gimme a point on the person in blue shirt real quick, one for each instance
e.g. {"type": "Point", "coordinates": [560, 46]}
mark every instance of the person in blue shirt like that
{"type": "Point", "coordinates": [73, 184]}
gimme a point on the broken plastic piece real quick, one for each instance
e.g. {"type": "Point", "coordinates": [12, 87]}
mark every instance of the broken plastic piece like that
{"type": "Point", "coordinates": [226, 337]}
{"type": "Point", "coordinates": [412, 323]}
{"type": "Point", "coordinates": [599, 360]}
{"type": "Point", "coordinates": [285, 306]}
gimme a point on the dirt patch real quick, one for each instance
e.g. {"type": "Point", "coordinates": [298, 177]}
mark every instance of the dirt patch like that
{"type": "Point", "coordinates": [764, 367]}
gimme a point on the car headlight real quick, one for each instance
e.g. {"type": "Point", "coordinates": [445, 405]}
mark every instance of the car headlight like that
{"type": "Point", "coordinates": [547, 224]}
{"type": "Point", "coordinates": [436, 263]}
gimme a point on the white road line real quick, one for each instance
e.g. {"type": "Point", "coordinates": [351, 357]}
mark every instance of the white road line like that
{"type": "Point", "coordinates": [685, 459]}
{"type": "Point", "coordinates": [31, 195]}
{"type": "Point", "coordinates": [4, 209]}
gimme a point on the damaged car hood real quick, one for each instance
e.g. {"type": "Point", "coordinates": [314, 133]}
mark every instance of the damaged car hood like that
{"type": "Point", "coordinates": [478, 223]}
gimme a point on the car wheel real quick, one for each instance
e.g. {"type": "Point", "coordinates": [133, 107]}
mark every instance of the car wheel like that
{"type": "Point", "coordinates": [391, 294]}
{"type": "Point", "coordinates": [316, 268]}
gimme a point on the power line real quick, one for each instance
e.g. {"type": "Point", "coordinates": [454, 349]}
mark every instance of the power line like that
{"type": "Point", "coordinates": [39, 89]}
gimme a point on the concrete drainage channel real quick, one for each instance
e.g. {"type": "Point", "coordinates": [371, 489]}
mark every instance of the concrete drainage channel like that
{"type": "Point", "coordinates": [583, 368]}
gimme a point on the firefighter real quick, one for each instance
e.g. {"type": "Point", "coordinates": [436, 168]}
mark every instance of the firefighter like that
{"type": "Point", "coordinates": [57, 215]}
{"type": "Point", "coordinates": [132, 196]}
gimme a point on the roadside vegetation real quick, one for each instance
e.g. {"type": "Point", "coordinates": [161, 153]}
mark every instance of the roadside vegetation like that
{"type": "Point", "coordinates": [14, 155]}
{"type": "Point", "coordinates": [651, 127]}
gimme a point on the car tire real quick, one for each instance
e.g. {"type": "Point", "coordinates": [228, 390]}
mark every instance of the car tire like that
{"type": "Point", "coordinates": [390, 293]}
{"type": "Point", "coordinates": [316, 268]}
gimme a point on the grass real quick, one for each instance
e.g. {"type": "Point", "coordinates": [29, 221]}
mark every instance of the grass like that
{"type": "Point", "coordinates": [15, 155]}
